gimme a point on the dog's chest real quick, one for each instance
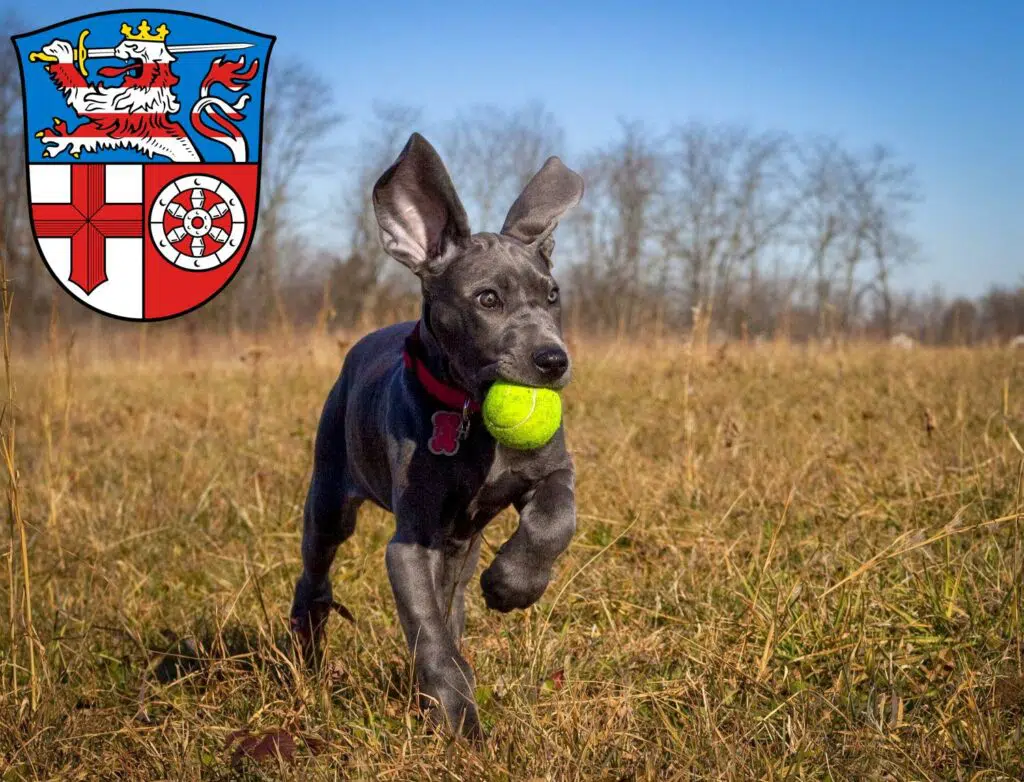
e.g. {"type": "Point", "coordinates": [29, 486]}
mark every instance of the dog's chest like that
{"type": "Point", "coordinates": [495, 484]}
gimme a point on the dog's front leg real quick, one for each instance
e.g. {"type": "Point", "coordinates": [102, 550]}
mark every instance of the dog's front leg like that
{"type": "Point", "coordinates": [522, 567]}
{"type": "Point", "coordinates": [444, 677]}
{"type": "Point", "coordinates": [460, 560]}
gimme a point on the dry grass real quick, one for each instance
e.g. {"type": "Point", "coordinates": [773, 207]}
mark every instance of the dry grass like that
{"type": "Point", "coordinates": [789, 564]}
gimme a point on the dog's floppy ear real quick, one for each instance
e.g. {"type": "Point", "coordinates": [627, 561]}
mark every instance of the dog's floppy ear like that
{"type": "Point", "coordinates": [553, 191]}
{"type": "Point", "coordinates": [417, 208]}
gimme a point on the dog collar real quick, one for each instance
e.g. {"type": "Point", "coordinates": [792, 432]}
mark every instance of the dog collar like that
{"type": "Point", "coordinates": [450, 428]}
{"type": "Point", "coordinates": [448, 395]}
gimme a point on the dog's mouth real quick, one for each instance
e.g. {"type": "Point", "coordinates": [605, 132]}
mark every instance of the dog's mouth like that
{"type": "Point", "coordinates": [132, 67]}
{"type": "Point", "coordinates": [484, 379]}
{"type": "Point", "coordinates": [508, 373]}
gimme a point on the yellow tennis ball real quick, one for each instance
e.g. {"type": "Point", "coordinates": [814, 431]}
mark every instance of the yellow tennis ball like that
{"type": "Point", "coordinates": [520, 416]}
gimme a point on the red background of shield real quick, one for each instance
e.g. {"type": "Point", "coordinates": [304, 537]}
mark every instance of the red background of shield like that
{"type": "Point", "coordinates": [167, 289]}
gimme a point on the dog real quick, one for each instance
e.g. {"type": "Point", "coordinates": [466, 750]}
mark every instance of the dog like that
{"type": "Point", "coordinates": [402, 427]}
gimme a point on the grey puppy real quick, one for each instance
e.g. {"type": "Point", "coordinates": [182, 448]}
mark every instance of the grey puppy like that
{"type": "Point", "coordinates": [401, 426]}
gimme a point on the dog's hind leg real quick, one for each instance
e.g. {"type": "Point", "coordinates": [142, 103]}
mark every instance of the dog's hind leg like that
{"type": "Point", "coordinates": [329, 519]}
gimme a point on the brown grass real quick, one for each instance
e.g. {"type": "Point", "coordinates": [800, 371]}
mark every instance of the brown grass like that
{"type": "Point", "coordinates": [790, 564]}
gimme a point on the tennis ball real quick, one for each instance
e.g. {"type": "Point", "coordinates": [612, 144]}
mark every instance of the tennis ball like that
{"type": "Point", "coordinates": [520, 416]}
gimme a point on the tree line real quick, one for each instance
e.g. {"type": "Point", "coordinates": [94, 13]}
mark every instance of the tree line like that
{"type": "Point", "coordinates": [754, 233]}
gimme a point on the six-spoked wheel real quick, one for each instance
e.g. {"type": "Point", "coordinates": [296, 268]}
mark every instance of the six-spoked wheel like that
{"type": "Point", "coordinates": [197, 222]}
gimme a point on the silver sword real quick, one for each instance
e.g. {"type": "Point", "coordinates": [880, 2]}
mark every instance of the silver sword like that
{"type": "Point", "coordinates": [181, 48]}
{"type": "Point", "coordinates": [81, 54]}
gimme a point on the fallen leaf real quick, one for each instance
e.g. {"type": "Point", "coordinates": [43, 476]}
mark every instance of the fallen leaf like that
{"type": "Point", "coordinates": [268, 746]}
{"type": "Point", "coordinates": [555, 679]}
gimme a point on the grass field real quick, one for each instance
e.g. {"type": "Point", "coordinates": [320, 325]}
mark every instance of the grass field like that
{"type": "Point", "coordinates": [790, 564]}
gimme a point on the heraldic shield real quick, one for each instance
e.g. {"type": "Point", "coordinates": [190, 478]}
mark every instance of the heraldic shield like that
{"type": "Point", "coordinates": [143, 133]}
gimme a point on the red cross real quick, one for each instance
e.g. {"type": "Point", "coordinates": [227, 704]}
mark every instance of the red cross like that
{"type": "Point", "coordinates": [87, 221]}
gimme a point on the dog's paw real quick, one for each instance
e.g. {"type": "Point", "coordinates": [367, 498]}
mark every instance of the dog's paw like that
{"type": "Point", "coordinates": [460, 720]}
{"type": "Point", "coordinates": [507, 587]}
{"type": "Point", "coordinates": [446, 696]}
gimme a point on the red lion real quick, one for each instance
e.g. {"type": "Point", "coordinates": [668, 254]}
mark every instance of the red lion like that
{"type": "Point", "coordinates": [136, 114]}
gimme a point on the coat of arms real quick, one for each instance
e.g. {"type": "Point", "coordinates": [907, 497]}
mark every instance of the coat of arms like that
{"type": "Point", "coordinates": [143, 131]}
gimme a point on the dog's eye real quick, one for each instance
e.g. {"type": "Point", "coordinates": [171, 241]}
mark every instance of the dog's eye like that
{"type": "Point", "coordinates": [488, 299]}
{"type": "Point", "coordinates": [553, 296]}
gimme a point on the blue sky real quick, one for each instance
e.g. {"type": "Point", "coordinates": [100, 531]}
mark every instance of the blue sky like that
{"type": "Point", "coordinates": [942, 83]}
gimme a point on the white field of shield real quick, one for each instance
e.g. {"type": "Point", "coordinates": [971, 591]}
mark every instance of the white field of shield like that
{"type": "Point", "coordinates": [121, 294]}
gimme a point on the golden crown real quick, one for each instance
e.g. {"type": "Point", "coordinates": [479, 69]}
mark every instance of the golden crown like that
{"type": "Point", "coordinates": [144, 33]}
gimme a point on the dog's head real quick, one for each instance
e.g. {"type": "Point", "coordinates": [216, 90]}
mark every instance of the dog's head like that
{"type": "Point", "coordinates": [489, 299]}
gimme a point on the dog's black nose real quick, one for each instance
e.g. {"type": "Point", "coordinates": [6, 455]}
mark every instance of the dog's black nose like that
{"type": "Point", "coordinates": [552, 361]}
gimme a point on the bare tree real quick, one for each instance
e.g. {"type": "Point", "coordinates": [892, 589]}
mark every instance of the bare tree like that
{"type": "Point", "coordinates": [852, 213]}
{"type": "Point", "coordinates": [613, 228]}
{"type": "Point", "coordinates": [298, 118]}
{"type": "Point", "coordinates": [860, 180]}
{"type": "Point", "coordinates": [886, 191]}
{"type": "Point", "coordinates": [891, 243]}
{"type": "Point", "coordinates": [492, 153]}
{"type": "Point", "coordinates": [820, 219]}
{"type": "Point", "coordinates": [761, 206]}
{"type": "Point", "coordinates": [726, 203]}
{"type": "Point", "coordinates": [1002, 313]}
{"type": "Point", "coordinates": [358, 279]}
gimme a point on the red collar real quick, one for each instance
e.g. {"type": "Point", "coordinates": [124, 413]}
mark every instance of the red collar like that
{"type": "Point", "coordinates": [448, 395]}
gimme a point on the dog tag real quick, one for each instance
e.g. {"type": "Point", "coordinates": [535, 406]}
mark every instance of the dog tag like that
{"type": "Point", "coordinates": [444, 440]}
